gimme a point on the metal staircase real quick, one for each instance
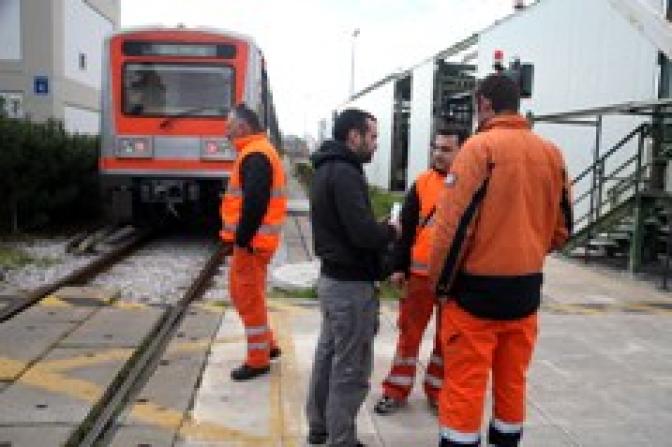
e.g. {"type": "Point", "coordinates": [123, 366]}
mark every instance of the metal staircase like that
{"type": "Point", "coordinates": [625, 212]}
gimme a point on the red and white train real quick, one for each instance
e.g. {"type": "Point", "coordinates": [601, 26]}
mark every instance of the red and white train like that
{"type": "Point", "coordinates": [165, 99]}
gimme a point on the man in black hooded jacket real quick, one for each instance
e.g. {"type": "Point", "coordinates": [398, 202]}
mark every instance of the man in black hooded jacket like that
{"type": "Point", "coordinates": [349, 241]}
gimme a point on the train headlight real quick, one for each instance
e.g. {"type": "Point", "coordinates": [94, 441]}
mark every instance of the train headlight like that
{"type": "Point", "coordinates": [134, 147]}
{"type": "Point", "coordinates": [217, 149]}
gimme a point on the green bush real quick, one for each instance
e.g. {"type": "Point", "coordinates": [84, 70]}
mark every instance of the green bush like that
{"type": "Point", "coordinates": [382, 200]}
{"type": "Point", "coordinates": [303, 171]}
{"type": "Point", "coordinates": [47, 176]}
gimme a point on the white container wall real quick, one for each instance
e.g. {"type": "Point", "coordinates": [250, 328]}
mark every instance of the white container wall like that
{"type": "Point", "coordinates": [585, 55]}
{"type": "Point", "coordinates": [422, 97]}
{"type": "Point", "coordinates": [380, 103]}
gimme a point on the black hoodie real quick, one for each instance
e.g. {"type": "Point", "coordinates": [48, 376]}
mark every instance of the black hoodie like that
{"type": "Point", "coordinates": [347, 237]}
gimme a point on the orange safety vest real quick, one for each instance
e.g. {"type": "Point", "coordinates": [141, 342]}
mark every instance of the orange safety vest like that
{"type": "Point", "coordinates": [268, 235]}
{"type": "Point", "coordinates": [427, 186]}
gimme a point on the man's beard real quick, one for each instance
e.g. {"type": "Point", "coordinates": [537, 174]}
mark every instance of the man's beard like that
{"type": "Point", "coordinates": [363, 155]}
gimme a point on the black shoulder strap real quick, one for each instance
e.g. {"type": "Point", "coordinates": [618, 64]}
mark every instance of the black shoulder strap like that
{"type": "Point", "coordinates": [423, 223]}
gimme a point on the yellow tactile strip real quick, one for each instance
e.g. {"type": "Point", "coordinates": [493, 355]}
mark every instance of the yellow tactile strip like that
{"type": "Point", "coordinates": [635, 307]}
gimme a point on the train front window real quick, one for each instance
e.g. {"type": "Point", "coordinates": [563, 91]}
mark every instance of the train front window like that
{"type": "Point", "coordinates": [177, 89]}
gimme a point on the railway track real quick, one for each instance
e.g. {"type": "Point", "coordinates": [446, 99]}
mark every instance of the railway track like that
{"type": "Point", "coordinates": [48, 393]}
{"type": "Point", "coordinates": [100, 424]}
{"type": "Point", "coordinates": [79, 275]}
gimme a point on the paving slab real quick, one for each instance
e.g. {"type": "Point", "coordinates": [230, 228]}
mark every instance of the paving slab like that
{"type": "Point", "coordinates": [61, 388]}
{"type": "Point", "coordinates": [115, 328]}
{"type": "Point", "coordinates": [33, 436]}
{"type": "Point", "coordinates": [23, 339]}
{"type": "Point", "coordinates": [46, 313]}
{"type": "Point", "coordinates": [132, 436]}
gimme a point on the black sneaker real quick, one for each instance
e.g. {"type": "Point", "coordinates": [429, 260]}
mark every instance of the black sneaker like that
{"type": "Point", "coordinates": [387, 405]}
{"type": "Point", "coordinates": [275, 353]}
{"type": "Point", "coordinates": [245, 372]}
{"type": "Point", "coordinates": [315, 438]}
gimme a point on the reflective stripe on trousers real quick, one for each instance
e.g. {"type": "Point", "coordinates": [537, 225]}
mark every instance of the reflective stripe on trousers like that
{"type": "Point", "coordinates": [256, 330]}
{"type": "Point", "coordinates": [263, 229]}
{"type": "Point", "coordinates": [433, 381]}
{"type": "Point", "coordinates": [459, 437]}
{"type": "Point", "coordinates": [276, 193]}
{"type": "Point", "coordinates": [405, 361]}
{"type": "Point", "coordinates": [400, 380]}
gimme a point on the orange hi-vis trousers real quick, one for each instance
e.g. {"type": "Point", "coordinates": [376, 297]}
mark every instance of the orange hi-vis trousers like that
{"type": "Point", "coordinates": [473, 348]}
{"type": "Point", "coordinates": [415, 310]}
{"type": "Point", "coordinates": [247, 286]}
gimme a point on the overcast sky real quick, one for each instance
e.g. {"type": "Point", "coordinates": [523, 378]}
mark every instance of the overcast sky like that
{"type": "Point", "coordinates": [307, 43]}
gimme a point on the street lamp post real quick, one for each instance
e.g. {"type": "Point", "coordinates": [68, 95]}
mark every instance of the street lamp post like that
{"type": "Point", "coordinates": [355, 33]}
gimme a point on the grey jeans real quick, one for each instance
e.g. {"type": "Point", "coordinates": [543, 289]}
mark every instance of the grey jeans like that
{"type": "Point", "coordinates": [343, 358]}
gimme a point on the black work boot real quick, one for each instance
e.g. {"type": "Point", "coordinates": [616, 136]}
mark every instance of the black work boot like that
{"type": "Point", "coordinates": [245, 372]}
{"type": "Point", "coordinates": [444, 442]}
{"type": "Point", "coordinates": [499, 438]}
{"type": "Point", "coordinates": [275, 352]}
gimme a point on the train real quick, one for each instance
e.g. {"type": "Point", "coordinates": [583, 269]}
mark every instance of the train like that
{"type": "Point", "coordinates": [166, 94]}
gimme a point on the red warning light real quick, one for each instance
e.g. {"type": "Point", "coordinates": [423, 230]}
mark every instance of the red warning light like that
{"type": "Point", "coordinates": [499, 60]}
{"type": "Point", "coordinates": [211, 147]}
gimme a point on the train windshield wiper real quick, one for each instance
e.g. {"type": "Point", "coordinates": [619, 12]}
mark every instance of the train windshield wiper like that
{"type": "Point", "coordinates": [192, 112]}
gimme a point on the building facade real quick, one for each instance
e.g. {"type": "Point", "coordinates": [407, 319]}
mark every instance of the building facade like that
{"type": "Point", "coordinates": [51, 59]}
{"type": "Point", "coordinates": [585, 55]}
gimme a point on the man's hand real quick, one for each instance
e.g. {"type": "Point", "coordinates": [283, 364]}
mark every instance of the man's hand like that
{"type": "Point", "coordinates": [398, 279]}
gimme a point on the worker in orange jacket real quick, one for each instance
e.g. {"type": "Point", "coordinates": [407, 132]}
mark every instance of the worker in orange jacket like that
{"type": "Point", "coordinates": [253, 211]}
{"type": "Point", "coordinates": [505, 206]}
{"type": "Point", "coordinates": [411, 267]}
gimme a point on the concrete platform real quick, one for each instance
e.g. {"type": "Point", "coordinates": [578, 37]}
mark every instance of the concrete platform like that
{"type": "Point", "coordinates": [601, 377]}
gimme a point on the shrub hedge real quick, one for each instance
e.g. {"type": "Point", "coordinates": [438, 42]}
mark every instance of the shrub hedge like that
{"type": "Point", "coordinates": [47, 176]}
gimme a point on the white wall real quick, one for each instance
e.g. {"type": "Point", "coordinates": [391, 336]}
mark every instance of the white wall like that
{"type": "Point", "coordinates": [84, 32]}
{"type": "Point", "coordinates": [585, 55]}
{"type": "Point", "coordinates": [81, 120]}
{"type": "Point", "coordinates": [420, 132]}
{"type": "Point", "coordinates": [10, 29]}
{"type": "Point", "coordinates": [380, 102]}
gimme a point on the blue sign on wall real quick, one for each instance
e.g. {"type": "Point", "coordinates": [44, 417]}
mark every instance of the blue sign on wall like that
{"type": "Point", "coordinates": [41, 85]}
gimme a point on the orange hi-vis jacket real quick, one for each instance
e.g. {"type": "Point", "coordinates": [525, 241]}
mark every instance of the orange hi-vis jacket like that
{"type": "Point", "coordinates": [427, 186]}
{"type": "Point", "coordinates": [505, 206]}
{"type": "Point", "coordinates": [268, 235]}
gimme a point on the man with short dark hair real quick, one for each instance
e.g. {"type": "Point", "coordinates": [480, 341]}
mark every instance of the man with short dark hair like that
{"type": "Point", "coordinates": [505, 206]}
{"type": "Point", "coordinates": [411, 267]}
{"type": "Point", "coordinates": [253, 211]}
{"type": "Point", "coordinates": [348, 240]}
